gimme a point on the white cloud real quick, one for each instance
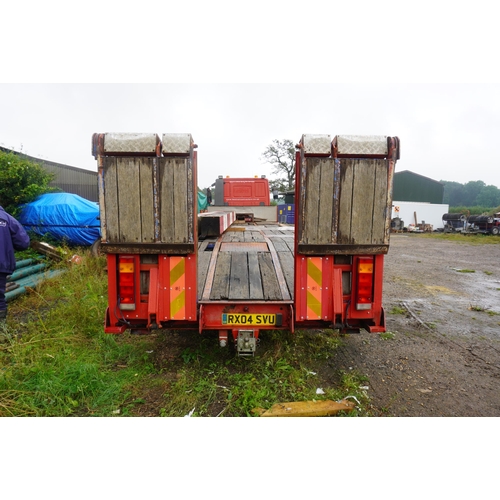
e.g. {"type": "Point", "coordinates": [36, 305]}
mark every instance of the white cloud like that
{"type": "Point", "coordinates": [447, 131]}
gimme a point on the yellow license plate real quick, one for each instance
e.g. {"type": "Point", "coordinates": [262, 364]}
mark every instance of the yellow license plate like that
{"type": "Point", "coordinates": [230, 319]}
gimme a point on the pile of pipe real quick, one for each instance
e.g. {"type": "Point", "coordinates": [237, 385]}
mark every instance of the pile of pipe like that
{"type": "Point", "coordinates": [28, 274]}
{"type": "Point", "coordinates": [454, 217]}
{"type": "Point", "coordinates": [484, 219]}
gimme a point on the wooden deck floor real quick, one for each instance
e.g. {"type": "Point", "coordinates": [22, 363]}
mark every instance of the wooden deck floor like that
{"type": "Point", "coordinates": [247, 263]}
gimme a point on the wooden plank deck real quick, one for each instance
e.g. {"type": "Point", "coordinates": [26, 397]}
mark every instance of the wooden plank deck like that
{"type": "Point", "coordinates": [249, 263]}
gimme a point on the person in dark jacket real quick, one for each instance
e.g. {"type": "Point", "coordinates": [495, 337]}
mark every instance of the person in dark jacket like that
{"type": "Point", "coordinates": [12, 237]}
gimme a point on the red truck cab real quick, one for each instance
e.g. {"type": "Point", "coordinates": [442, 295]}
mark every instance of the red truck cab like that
{"type": "Point", "coordinates": [242, 191]}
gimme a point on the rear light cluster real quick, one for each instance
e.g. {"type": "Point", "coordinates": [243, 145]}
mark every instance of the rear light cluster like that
{"type": "Point", "coordinates": [126, 282]}
{"type": "Point", "coordinates": [364, 290]}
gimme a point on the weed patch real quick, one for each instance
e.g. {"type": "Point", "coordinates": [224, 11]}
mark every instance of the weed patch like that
{"type": "Point", "coordinates": [476, 307]}
{"type": "Point", "coordinates": [398, 310]}
{"type": "Point", "coordinates": [387, 335]}
{"type": "Point", "coordinates": [57, 361]}
{"type": "Point", "coordinates": [472, 239]}
{"type": "Point", "coordinates": [205, 380]}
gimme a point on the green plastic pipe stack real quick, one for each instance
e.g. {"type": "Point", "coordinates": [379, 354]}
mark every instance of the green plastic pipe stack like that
{"type": "Point", "coordinates": [24, 263]}
{"type": "Point", "coordinates": [30, 282]}
{"type": "Point", "coordinates": [28, 274]}
{"type": "Point", "coordinates": [26, 271]}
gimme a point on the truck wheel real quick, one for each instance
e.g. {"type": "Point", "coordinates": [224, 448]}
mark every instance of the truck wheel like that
{"type": "Point", "coordinates": [495, 230]}
{"type": "Point", "coordinates": [96, 248]}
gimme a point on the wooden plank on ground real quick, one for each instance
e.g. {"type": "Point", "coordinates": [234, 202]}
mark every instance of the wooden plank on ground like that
{"type": "Point", "coordinates": [306, 409]}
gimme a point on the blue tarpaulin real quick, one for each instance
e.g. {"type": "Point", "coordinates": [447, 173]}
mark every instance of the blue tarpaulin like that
{"type": "Point", "coordinates": [65, 217]}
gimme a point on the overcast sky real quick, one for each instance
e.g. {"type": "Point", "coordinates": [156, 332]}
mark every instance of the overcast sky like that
{"type": "Point", "coordinates": [447, 131]}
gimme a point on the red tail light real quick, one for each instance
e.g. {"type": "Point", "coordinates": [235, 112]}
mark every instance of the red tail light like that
{"type": "Point", "coordinates": [126, 282]}
{"type": "Point", "coordinates": [364, 289]}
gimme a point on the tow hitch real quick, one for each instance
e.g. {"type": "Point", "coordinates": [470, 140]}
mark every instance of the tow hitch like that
{"type": "Point", "coordinates": [246, 343]}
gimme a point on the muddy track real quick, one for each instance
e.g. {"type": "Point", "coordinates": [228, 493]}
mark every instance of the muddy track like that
{"type": "Point", "coordinates": [442, 302]}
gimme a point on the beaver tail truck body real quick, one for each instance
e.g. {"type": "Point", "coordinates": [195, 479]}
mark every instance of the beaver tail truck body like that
{"type": "Point", "coordinates": [324, 272]}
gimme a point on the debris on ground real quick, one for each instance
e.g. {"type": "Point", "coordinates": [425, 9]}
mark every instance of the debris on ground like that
{"type": "Point", "coordinates": [48, 250]}
{"type": "Point", "coordinates": [306, 409]}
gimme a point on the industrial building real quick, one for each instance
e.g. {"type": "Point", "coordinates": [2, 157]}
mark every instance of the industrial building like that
{"type": "Point", "coordinates": [418, 199]}
{"type": "Point", "coordinates": [67, 179]}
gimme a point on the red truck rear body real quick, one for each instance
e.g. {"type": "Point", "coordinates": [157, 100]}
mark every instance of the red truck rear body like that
{"type": "Point", "coordinates": [325, 272]}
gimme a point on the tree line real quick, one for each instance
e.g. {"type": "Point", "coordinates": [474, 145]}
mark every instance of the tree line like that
{"type": "Point", "coordinates": [280, 154]}
{"type": "Point", "coordinates": [21, 181]}
{"type": "Point", "coordinates": [471, 194]}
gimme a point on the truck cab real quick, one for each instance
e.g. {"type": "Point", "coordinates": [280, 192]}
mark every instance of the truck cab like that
{"type": "Point", "coordinates": [242, 191]}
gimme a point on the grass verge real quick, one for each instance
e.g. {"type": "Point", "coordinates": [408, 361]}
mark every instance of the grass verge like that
{"type": "Point", "coordinates": [55, 360]}
{"type": "Point", "coordinates": [473, 239]}
{"type": "Point", "coordinates": [209, 381]}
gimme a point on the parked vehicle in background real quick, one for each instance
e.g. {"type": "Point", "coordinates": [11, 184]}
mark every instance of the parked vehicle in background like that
{"type": "Point", "coordinates": [242, 191]}
{"type": "Point", "coordinates": [467, 224]}
{"type": "Point", "coordinates": [483, 224]}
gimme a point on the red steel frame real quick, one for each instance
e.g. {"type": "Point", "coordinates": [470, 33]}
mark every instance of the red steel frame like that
{"type": "Point", "coordinates": [171, 299]}
{"type": "Point", "coordinates": [333, 307]}
{"type": "Point", "coordinates": [330, 306]}
{"type": "Point", "coordinates": [338, 310]}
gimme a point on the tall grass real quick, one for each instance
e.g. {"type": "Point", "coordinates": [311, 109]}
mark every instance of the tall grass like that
{"type": "Point", "coordinates": [211, 381]}
{"type": "Point", "coordinates": [474, 239]}
{"type": "Point", "coordinates": [57, 361]}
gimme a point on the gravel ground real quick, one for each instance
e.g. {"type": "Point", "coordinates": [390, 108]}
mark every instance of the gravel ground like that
{"type": "Point", "coordinates": [442, 303]}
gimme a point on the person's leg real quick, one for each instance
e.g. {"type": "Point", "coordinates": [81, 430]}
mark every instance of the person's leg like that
{"type": "Point", "coordinates": [3, 303]}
